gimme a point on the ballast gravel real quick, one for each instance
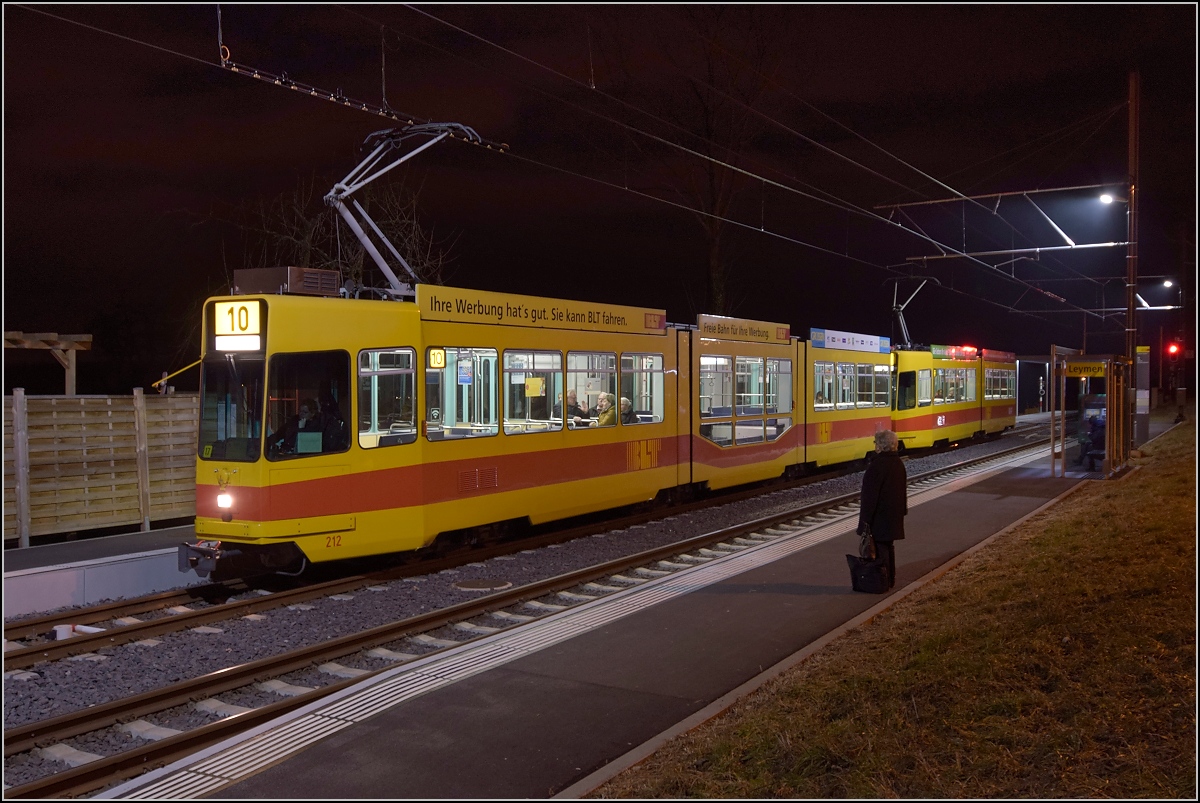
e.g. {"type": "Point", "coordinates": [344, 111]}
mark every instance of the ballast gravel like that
{"type": "Point", "coordinates": [55, 688]}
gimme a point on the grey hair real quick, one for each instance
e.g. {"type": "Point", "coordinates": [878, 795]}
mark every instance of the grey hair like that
{"type": "Point", "coordinates": [886, 441]}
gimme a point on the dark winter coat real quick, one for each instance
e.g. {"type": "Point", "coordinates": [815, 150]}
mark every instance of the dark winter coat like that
{"type": "Point", "coordinates": [884, 501]}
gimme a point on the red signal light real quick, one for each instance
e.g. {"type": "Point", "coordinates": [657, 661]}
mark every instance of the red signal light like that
{"type": "Point", "coordinates": [1173, 349]}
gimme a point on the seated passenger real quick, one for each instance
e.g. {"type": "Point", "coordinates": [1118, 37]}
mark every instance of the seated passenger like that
{"type": "Point", "coordinates": [606, 412]}
{"type": "Point", "coordinates": [303, 422]}
{"type": "Point", "coordinates": [574, 410]}
{"type": "Point", "coordinates": [627, 414]}
{"type": "Point", "coordinates": [819, 398]}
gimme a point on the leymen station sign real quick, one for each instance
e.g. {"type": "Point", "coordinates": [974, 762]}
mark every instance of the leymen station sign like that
{"type": "Point", "coordinates": [1085, 369]}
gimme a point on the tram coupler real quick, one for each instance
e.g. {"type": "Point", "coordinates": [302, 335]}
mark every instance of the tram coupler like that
{"type": "Point", "coordinates": [202, 557]}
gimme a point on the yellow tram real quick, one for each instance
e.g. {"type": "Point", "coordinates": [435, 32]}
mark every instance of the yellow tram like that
{"type": "Point", "coordinates": [850, 395]}
{"type": "Point", "coordinates": [948, 394]}
{"type": "Point", "coordinates": [451, 417]}
{"type": "Point", "coordinates": [334, 428]}
{"type": "Point", "coordinates": [998, 389]}
{"type": "Point", "coordinates": [745, 426]}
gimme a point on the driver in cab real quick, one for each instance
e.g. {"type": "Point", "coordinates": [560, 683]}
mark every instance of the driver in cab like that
{"type": "Point", "coordinates": [305, 421]}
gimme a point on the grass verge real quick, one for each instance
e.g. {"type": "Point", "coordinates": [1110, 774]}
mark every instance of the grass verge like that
{"type": "Point", "coordinates": [1058, 662]}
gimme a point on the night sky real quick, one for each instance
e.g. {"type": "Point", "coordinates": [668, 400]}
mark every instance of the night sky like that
{"type": "Point", "coordinates": [128, 151]}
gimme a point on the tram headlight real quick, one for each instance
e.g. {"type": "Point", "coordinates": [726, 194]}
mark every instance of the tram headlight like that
{"type": "Point", "coordinates": [224, 501]}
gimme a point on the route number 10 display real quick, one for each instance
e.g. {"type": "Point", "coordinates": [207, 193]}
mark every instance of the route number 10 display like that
{"type": "Point", "coordinates": [236, 325]}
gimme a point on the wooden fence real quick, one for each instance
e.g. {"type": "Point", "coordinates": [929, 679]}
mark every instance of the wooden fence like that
{"type": "Point", "coordinates": [82, 462]}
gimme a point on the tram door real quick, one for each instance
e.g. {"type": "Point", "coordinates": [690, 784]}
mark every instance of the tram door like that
{"type": "Point", "coordinates": [462, 393]}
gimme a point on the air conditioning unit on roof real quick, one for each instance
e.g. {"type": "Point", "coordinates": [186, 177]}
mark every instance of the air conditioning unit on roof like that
{"type": "Point", "coordinates": [290, 280]}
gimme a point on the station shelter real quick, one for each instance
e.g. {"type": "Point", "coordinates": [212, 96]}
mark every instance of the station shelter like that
{"type": "Point", "coordinates": [1091, 412]}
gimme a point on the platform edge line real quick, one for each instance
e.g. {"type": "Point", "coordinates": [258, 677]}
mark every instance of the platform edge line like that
{"type": "Point", "coordinates": [643, 751]}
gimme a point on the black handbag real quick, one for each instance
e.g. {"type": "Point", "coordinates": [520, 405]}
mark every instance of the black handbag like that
{"type": "Point", "coordinates": [868, 569]}
{"type": "Point", "coordinates": [866, 544]}
{"type": "Point", "coordinates": [869, 575]}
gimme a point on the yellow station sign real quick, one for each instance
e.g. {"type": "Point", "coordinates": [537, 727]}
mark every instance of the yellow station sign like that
{"type": "Point", "coordinates": [1084, 369]}
{"type": "Point", "coordinates": [717, 326]}
{"type": "Point", "coordinates": [438, 303]}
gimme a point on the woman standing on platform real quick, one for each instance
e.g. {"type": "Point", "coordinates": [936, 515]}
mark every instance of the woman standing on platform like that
{"type": "Point", "coordinates": [884, 500]}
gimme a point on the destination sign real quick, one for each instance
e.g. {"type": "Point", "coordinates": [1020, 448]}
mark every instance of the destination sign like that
{"type": "Point", "coordinates": [237, 325]}
{"type": "Point", "coordinates": [851, 341]}
{"type": "Point", "coordinates": [717, 326]}
{"type": "Point", "coordinates": [438, 303]}
{"type": "Point", "coordinates": [954, 352]}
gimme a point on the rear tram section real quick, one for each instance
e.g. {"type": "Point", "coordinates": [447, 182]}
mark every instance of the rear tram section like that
{"type": "Point", "coordinates": [338, 428]}
{"type": "Point", "coordinates": [850, 395]}
{"type": "Point", "coordinates": [948, 394]}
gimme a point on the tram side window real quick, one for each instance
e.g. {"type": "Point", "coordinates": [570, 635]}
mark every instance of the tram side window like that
{"type": "Point", "coordinates": [845, 386]}
{"type": "Point", "coordinates": [716, 398]}
{"type": "Point", "coordinates": [532, 379]}
{"type": "Point", "coordinates": [306, 393]}
{"type": "Point", "coordinates": [969, 385]}
{"type": "Point", "coordinates": [716, 386]}
{"type": "Point", "coordinates": [779, 397]}
{"type": "Point", "coordinates": [953, 391]}
{"type": "Point", "coordinates": [906, 390]}
{"type": "Point", "coordinates": [750, 382]}
{"type": "Point", "coordinates": [939, 386]}
{"type": "Point", "coordinates": [231, 397]}
{"type": "Point", "coordinates": [823, 385]}
{"type": "Point", "coordinates": [589, 374]}
{"type": "Point", "coordinates": [643, 383]}
{"type": "Point", "coordinates": [1001, 383]}
{"type": "Point", "coordinates": [460, 393]}
{"type": "Point", "coordinates": [749, 399]}
{"type": "Point", "coordinates": [883, 385]}
{"type": "Point", "coordinates": [924, 396]}
{"type": "Point", "coordinates": [866, 385]}
{"type": "Point", "coordinates": [386, 397]}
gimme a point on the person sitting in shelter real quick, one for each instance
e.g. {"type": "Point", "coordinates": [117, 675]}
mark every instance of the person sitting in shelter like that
{"type": "Point", "coordinates": [606, 411]}
{"type": "Point", "coordinates": [1096, 445]}
{"type": "Point", "coordinates": [288, 440]}
{"type": "Point", "coordinates": [627, 414]}
{"type": "Point", "coordinates": [574, 410]}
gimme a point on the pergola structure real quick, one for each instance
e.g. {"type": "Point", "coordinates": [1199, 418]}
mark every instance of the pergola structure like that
{"type": "Point", "coordinates": [61, 347]}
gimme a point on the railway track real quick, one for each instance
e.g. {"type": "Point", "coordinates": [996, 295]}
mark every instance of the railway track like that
{"type": "Point", "coordinates": [429, 632]}
{"type": "Point", "coordinates": [30, 640]}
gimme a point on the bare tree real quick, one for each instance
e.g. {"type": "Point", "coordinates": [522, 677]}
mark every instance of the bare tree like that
{"type": "Point", "coordinates": [297, 228]}
{"type": "Point", "coordinates": [706, 88]}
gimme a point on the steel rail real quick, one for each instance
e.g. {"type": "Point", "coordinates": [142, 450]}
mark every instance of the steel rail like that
{"type": "Point", "coordinates": [96, 774]}
{"type": "Point", "coordinates": [25, 657]}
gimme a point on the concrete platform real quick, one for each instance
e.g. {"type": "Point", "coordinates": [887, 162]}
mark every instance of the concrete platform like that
{"type": "Point", "coordinates": [44, 578]}
{"type": "Point", "coordinates": [558, 707]}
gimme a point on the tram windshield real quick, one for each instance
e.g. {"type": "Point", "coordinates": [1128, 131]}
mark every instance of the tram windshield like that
{"type": "Point", "coordinates": [231, 408]}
